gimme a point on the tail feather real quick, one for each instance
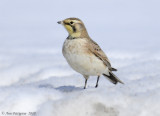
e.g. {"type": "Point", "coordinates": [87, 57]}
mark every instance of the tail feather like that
{"type": "Point", "coordinates": [113, 78]}
{"type": "Point", "coordinates": [113, 69]}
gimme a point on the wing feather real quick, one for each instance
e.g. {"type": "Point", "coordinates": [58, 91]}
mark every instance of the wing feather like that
{"type": "Point", "coordinates": [98, 52]}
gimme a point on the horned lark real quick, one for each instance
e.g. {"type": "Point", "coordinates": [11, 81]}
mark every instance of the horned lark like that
{"type": "Point", "coordinates": [83, 54]}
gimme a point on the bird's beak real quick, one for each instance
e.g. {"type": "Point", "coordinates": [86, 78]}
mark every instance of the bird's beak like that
{"type": "Point", "coordinates": [59, 22]}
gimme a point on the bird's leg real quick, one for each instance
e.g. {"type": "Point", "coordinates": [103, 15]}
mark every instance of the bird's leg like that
{"type": "Point", "coordinates": [97, 82]}
{"type": "Point", "coordinates": [85, 83]}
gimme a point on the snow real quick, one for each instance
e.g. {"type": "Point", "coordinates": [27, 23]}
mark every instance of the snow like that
{"type": "Point", "coordinates": [36, 78]}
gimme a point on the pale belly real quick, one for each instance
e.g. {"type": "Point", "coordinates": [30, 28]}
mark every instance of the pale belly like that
{"type": "Point", "coordinates": [80, 60]}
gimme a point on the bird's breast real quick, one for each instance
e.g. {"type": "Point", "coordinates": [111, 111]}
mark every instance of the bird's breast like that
{"type": "Point", "coordinates": [74, 46]}
{"type": "Point", "coordinates": [80, 59]}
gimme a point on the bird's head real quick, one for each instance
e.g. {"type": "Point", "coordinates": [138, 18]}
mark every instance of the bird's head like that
{"type": "Point", "coordinates": [75, 27]}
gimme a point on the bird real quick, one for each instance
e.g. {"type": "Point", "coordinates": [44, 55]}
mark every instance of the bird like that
{"type": "Point", "coordinates": [84, 55]}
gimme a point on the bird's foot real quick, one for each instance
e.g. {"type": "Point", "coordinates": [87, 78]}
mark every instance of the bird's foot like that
{"type": "Point", "coordinates": [96, 86]}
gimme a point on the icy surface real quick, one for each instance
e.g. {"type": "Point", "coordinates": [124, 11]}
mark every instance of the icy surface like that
{"type": "Point", "coordinates": [34, 76]}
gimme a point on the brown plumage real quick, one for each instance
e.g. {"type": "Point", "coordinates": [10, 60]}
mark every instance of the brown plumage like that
{"type": "Point", "coordinates": [84, 55]}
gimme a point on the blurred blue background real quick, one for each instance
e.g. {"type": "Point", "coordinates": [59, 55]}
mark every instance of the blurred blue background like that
{"type": "Point", "coordinates": [115, 25]}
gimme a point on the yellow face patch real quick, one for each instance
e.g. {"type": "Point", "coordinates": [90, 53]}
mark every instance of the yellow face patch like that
{"type": "Point", "coordinates": [68, 28]}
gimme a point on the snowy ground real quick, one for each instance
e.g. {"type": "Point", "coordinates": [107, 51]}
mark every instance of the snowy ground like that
{"type": "Point", "coordinates": [36, 78]}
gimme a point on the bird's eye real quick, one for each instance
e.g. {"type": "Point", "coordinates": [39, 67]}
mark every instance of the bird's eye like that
{"type": "Point", "coordinates": [71, 22]}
